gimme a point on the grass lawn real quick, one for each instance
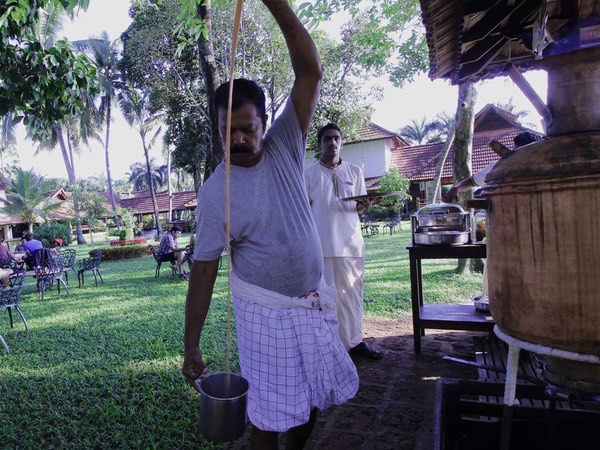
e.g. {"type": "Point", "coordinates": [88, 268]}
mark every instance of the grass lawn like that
{"type": "Point", "coordinates": [100, 368]}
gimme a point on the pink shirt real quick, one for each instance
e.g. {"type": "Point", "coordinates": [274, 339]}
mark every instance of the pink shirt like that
{"type": "Point", "coordinates": [4, 252]}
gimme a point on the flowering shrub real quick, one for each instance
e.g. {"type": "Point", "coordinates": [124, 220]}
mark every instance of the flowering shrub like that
{"type": "Point", "coordinates": [122, 242]}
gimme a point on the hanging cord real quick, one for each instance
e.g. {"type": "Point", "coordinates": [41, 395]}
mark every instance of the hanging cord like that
{"type": "Point", "coordinates": [234, 40]}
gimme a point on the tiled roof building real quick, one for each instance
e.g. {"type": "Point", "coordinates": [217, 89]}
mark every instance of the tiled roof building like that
{"type": "Point", "coordinates": [141, 203]}
{"type": "Point", "coordinates": [373, 132]}
{"type": "Point", "coordinates": [418, 162]}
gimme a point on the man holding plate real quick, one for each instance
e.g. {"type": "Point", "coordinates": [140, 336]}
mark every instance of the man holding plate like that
{"type": "Point", "coordinates": [328, 183]}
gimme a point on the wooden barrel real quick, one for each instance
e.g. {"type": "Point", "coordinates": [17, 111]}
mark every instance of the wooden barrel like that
{"type": "Point", "coordinates": [543, 246]}
{"type": "Point", "coordinates": [543, 223]}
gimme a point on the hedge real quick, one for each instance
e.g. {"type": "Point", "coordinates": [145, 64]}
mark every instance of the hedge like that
{"type": "Point", "coordinates": [122, 252]}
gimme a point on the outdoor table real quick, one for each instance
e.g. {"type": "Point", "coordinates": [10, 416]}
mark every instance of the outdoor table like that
{"type": "Point", "coordinates": [442, 316]}
{"type": "Point", "coordinates": [19, 257]}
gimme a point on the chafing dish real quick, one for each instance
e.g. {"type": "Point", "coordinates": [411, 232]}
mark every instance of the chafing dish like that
{"type": "Point", "coordinates": [441, 224]}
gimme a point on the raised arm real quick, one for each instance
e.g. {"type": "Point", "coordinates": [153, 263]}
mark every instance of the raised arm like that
{"type": "Point", "coordinates": [305, 61]}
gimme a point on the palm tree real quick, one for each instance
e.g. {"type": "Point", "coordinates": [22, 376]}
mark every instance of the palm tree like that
{"type": "Point", "coordinates": [418, 132]}
{"type": "Point", "coordinates": [445, 127]}
{"type": "Point", "coordinates": [137, 110]}
{"type": "Point", "coordinates": [75, 130]}
{"type": "Point", "coordinates": [105, 54]}
{"type": "Point", "coordinates": [138, 175]}
{"type": "Point", "coordinates": [8, 140]}
{"type": "Point", "coordinates": [27, 197]}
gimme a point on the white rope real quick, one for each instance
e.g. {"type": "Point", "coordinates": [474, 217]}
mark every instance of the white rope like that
{"type": "Point", "coordinates": [234, 41]}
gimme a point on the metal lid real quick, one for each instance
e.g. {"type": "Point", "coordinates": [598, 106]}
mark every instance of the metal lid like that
{"type": "Point", "coordinates": [440, 208]}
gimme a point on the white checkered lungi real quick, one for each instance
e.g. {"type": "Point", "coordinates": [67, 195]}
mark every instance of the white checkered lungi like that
{"type": "Point", "coordinates": [291, 355]}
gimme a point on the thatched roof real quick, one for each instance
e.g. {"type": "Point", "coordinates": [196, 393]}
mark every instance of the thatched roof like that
{"type": "Point", "coordinates": [471, 40]}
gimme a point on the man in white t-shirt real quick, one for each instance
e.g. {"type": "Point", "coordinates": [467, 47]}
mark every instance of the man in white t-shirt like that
{"type": "Point", "coordinates": [328, 182]}
{"type": "Point", "coordinates": [288, 347]}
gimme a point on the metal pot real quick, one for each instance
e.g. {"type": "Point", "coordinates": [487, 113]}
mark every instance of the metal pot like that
{"type": "Point", "coordinates": [441, 224]}
{"type": "Point", "coordinates": [223, 401]}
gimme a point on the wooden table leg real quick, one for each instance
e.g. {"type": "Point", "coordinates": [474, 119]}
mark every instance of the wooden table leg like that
{"type": "Point", "coordinates": [416, 300]}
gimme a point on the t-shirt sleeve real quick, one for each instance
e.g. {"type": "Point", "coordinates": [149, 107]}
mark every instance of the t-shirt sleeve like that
{"type": "Point", "coordinates": [210, 234]}
{"type": "Point", "coordinates": [284, 139]}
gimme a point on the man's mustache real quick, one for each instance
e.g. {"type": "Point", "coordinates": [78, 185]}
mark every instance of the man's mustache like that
{"type": "Point", "coordinates": [240, 149]}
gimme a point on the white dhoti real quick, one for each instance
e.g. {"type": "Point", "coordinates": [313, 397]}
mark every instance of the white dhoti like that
{"type": "Point", "coordinates": [346, 276]}
{"type": "Point", "coordinates": [291, 355]}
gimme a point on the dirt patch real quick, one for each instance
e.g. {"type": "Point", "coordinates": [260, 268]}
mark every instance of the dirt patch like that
{"type": "Point", "coordinates": [394, 407]}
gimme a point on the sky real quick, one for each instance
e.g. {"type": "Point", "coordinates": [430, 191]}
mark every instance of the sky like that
{"type": "Point", "coordinates": [422, 98]}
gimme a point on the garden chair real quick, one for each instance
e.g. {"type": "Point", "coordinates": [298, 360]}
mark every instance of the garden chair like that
{"type": "Point", "coordinates": [369, 227]}
{"type": "Point", "coordinates": [4, 344]}
{"type": "Point", "coordinates": [9, 297]}
{"type": "Point", "coordinates": [154, 250]}
{"type": "Point", "coordinates": [6, 263]}
{"type": "Point", "coordinates": [392, 224]}
{"type": "Point", "coordinates": [91, 264]}
{"type": "Point", "coordinates": [51, 270]}
{"type": "Point", "coordinates": [68, 256]}
{"type": "Point", "coordinates": [39, 258]}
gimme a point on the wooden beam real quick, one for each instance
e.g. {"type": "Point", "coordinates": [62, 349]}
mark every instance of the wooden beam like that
{"type": "Point", "coordinates": [477, 52]}
{"type": "Point", "coordinates": [495, 16]}
{"type": "Point", "coordinates": [477, 65]}
{"type": "Point", "coordinates": [539, 105]}
{"type": "Point", "coordinates": [475, 6]}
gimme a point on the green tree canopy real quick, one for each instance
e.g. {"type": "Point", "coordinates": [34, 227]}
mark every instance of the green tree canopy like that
{"type": "Point", "coordinates": [392, 34]}
{"type": "Point", "coordinates": [40, 83]}
{"type": "Point", "coordinates": [394, 181]}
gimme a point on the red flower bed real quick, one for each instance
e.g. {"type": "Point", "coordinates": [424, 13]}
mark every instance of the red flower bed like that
{"type": "Point", "coordinates": [122, 242]}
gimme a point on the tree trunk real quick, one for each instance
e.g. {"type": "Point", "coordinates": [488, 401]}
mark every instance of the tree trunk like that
{"type": "Point", "coordinates": [170, 188]}
{"type": "Point", "coordinates": [152, 190]}
{"type": "Point", "coordinates": [111, 196]}
{"type": "Point", "coordinates": [70, 166]}
{"type": "Point", "coordinates": [437, 178]}
{"type": "Point", "coordinates": [463, 142]}
{"type": "Point", "coordinates": [212, 82]}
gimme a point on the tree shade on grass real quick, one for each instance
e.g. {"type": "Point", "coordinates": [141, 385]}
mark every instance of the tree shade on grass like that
{"type": "Point", "coordinates": [101, 368]}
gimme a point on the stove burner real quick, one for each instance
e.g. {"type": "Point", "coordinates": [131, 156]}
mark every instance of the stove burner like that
{"type": "Point", "coordinates": [576, 391]}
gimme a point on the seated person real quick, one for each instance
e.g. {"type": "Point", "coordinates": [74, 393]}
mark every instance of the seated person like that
{"type": "Point", "coordinates": [169, 250]}
{"type": "Point", "coordinates": [4, 251]}
{"type": "Point", "coordinates": [31, 245]}
{"type": "Point", "coordinates": [5, 258]}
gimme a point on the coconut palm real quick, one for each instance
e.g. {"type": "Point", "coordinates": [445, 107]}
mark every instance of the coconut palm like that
{"type": "Point", "coordinates": [138, 175]}
{"type": "Point", "coordinates": [137, 110]}
{"type": "Point", "coordinates": [27, 196]}
{"type": "Point", "coordinates": [105, 54]}
{"type": "Point", "coordinates": [420, 131]}
{"type": "Point", "coordinates": [75, 130]}
{"type": "Point", "coordinates": [445, 127]}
